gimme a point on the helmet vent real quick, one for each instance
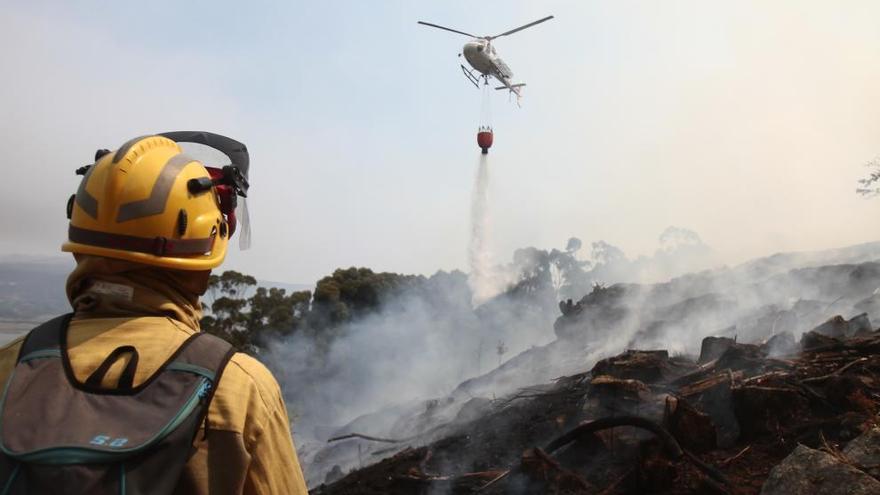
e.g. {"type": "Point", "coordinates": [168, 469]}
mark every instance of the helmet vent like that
{"type": "Point", "coordinates": [181, 222]}
{"type": "Point", "coordinates": [224, 229]}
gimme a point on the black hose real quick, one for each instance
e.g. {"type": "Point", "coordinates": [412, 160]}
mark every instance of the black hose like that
{"type": "Point", "coordinates": [670, 444]}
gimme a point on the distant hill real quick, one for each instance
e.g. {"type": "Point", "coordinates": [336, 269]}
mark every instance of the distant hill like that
{"type": "Point", "coordinates": [32, 288]}
{"type": "Point", "coordinates": [782, 262]}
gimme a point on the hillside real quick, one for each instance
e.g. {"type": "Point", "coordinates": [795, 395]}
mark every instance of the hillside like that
{"type": "Point", "coordinates": [784, 296]}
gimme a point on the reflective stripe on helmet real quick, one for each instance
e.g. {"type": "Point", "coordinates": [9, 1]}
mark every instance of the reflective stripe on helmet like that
{"type": "Point", "coordinates": [155, 203]}
{"type": "Point", "coordinates": [158, 246]}
{"type": "Point", "coordinates": [84, 199]}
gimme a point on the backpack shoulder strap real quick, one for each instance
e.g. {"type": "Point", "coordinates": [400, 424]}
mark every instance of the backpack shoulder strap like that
{"type": "Point", "coordinates": [45, 337]}
{"type": "Point", "coordinates": [203, 354]}
{"type": "Point", "coordinates": [206, 355]}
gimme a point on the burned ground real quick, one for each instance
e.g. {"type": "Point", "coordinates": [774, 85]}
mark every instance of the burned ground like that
{"type": "Point", "coordinates": [779, 370]}
{"type": "Point", "coordinates": [720, 427]}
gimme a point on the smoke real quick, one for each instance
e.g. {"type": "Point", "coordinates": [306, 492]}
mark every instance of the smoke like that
{"type": "Point", "coordinates": [481, 280]}
{"type": "Point", "coordinates": [383, 369]}
{"type": "Point", "coordinates": [416, 363]}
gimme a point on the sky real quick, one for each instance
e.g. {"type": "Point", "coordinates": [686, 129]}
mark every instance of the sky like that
{"type": "Point", "coordinates": [748, 122]}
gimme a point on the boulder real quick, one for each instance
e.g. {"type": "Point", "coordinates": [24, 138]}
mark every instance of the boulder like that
{"type": "Point", "coordinates": [836, 327]}
{"type": "Point", "coordinates": [808, 472]}
{"type": "Point", "coordinates": [714, 347]}
{"type": "Point", "coordinates": [741, 357]}
{"type": "Point", "coordinates": [813, 340]}
{"type": "Point", "coordinates": [864, 451]}
{"type": "Point", "coordinates": [859, 325]}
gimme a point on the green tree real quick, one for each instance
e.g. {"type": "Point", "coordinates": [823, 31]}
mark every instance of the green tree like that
{"type": "Point", "coordinates": [273, 309]}
{"type": "Point", "coordinates": [353, 292]}
{"type": "Point", "coordinates": [244, 321]}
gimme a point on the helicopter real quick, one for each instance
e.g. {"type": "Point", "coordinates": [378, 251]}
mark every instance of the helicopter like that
{"type": "Point", "coordinates": [481, 55]}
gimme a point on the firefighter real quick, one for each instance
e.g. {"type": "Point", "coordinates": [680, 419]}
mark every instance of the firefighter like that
{"type": "Point", "coordinates": [147, 226]}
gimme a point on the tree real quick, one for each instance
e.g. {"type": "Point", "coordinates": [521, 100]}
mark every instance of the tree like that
{"type": "Point", "coordinates": [870, 185]}
{"type": "Point", "coordinates": [353, 292]}
{"type": "Point", "coordinates": [606, 254]}
{"type": "Point", "coordinates": [231, 283]}
{"type": "Point", "coordinates": [245, 321]}
{"type": "Point", "coordinates": [273, 309]}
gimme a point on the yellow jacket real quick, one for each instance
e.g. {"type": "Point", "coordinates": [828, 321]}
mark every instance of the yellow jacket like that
{"type": "Point", "coordinates": [248, 448]}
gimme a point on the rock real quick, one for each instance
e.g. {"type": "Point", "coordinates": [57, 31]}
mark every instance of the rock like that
{"type": "Point", "coordinates": [780, 344]}
{"type": "Point", "coordinates": [859, 325]}
{"type": "Point", "coordinates": [741, 357]}
{"type": "Point", "coordinates": [645, 366]}
{"type": "Point", "coordinates": [714, 347]}
{"type": "Point", "coordinates": [765, 410]}
{"type": "Point", "coordinates": [693, 429]}
{"type": "Point", "coordinates": [813, 340]}
{"type": "Point", "coordinates": [836, 327]}
{"type": "Point", "coordinates": [808, 472]}
{"type": "Point", "coordinates": [865, 451]}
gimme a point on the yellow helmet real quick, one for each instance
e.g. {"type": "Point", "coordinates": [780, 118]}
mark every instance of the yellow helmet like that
{"type": "Point", "coordinates": [150, 203]}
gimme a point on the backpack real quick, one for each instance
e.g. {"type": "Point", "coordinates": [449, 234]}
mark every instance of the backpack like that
{"type": "Point", "coordinates": [59, 435]}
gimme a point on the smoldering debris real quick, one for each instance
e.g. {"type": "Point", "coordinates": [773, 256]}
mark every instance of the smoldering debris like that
{"type": "Point", "coordinates": [428, 359]}
{"type": "Point", "coordinates": [585, 434]}
{"type": "Point", "coordinates": [752, 370]}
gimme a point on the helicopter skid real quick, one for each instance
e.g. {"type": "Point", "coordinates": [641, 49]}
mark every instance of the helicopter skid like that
{"type": "Point", "coordinates": [471, 77]}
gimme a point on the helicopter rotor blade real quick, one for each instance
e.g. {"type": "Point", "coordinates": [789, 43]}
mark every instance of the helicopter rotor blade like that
{"type": "Point", "coordinates": [447, 29]}
{"type": "Point", "coordinates": [539, 21]}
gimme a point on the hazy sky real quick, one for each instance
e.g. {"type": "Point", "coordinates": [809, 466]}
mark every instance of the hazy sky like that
{"type": "Point", "coordinates": [747, 122]}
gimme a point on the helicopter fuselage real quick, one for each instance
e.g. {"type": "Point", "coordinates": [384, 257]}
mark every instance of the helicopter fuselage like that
{"type": "Point", "coordinates": [481, 55]}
